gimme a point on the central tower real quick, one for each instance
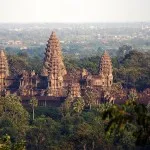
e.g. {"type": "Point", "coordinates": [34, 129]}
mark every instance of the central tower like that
{"type": "Point", "coordinates": [105, 70]}
{"type": "Point", "coordinates": [54, 67]}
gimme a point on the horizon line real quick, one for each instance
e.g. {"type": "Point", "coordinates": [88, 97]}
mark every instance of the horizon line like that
{"type": "Point", "coordinates": [102, 22]}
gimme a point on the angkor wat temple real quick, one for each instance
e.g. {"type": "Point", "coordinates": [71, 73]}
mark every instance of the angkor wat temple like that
{"type": "Point", "coordinates": [54, 83]}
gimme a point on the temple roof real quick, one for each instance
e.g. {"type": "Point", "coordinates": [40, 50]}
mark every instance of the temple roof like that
{"type": "Point", "coordinates": [3, 64]}
{"type": "Point", "coordinates": [2, 54]}
{"type": "Point", "coordinates": [105, 66]}
{"type": "Point", "coordinates": [105, 56]}
{"type": "Point", "coordinates": [53, 34]}
{"type": "Point", "coordinates": [53, 61]}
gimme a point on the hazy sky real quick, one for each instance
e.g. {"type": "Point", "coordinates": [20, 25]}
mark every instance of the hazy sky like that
{"type": "Point", "coordinates": [74, 10]}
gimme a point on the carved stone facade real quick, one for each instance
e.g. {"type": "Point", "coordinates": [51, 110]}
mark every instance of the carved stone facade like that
{"type": "Point", "coordinates": [28, 83]}
{"type": "Point", "coordinates": [74, 90]}
{"type": "Point", "coordinates": [4, 72]}
{"type": "Point", "coordinates": [54, 80]}
{"type": "Point", "coordinates": [105, 70]}
{"type": "Point", "coordinates": [54, 67]}
{"type": "Point", "coordinates": [104, 79]}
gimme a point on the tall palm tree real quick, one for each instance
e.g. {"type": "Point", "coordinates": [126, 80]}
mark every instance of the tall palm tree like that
{"type": "Point", "coordinates": [78, 105]}
{"type": "Point", "coordinates": [33, 103]}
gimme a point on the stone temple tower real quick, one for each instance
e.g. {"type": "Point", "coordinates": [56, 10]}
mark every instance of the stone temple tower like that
{"type": "Point", "coordinates": [4, 71]}
{"type": "Point", "coordinates": [54, 67]}
{"type": "Point", "coordinates": [105, 70]}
